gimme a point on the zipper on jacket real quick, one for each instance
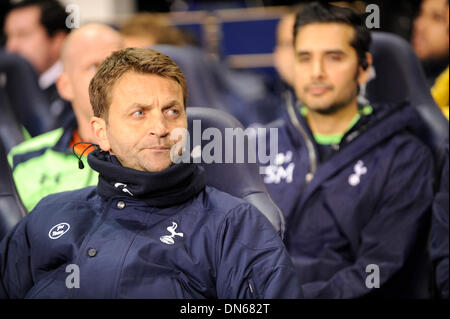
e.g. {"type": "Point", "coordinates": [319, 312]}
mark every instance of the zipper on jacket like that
{"type": "Point", "coordinates": [309, 145]}
{"type": "Point", "coordinates": [252, 289]}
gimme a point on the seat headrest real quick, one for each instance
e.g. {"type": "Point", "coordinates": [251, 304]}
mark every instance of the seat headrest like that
{"type": "Point", "coordinates": [32, 108]}
{"type": "Point", "coordinates": [211, 133]}
{"type": "Point", "coordinates": [11, 207]}
{"type": "Point", "coordinates": [10, 130]}
{"type": "Point", "coordinates": [399, 77]}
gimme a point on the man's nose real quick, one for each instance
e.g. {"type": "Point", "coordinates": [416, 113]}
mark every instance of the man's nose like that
{"type": "Point", "coordinates": [158, 126]}
{"type": "Point", "coordinates": [317, 71]}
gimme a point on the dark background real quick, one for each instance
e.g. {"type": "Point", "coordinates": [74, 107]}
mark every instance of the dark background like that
{"type": "Point", "coordinates": [396, 16]}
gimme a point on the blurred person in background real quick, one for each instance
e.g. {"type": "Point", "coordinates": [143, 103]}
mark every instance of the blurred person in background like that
{"type": "Point", "coordinates": [147, 29]}
{"type": "Point", "coordinates": [430, 37]}
{"type": "Point", "coordinates": [283, 57]}
{"type": "Point", "coordinates": [45, 164]}
{"type": "Point", "coordinates": [440, 89]}
{"type": "Point", "coordinates": [284, 49]}
{"type": "Point", "coordinates": [36, 30]}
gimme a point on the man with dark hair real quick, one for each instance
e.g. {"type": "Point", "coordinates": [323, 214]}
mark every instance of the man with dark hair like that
{"type": "Point", "coordinates": [355, 186]}
{"type": "Point", "coordinates": [36, 30]}
{"type": "Point", "coordinates": [151, 228]}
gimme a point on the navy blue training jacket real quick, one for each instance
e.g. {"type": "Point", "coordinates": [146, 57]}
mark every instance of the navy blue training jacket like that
{"type": "Point", "coordinates": [362, 211]}
{"type": "Point", "coordinates": [211, 245]}
{"type": "Point", "coordinates": [439, 246]}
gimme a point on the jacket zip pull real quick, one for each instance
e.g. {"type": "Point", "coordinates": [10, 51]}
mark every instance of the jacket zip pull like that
{"type": "Point", "coordinates": [309, 145]}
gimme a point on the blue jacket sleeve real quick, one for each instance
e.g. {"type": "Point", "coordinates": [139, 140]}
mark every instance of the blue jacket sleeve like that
{"type": "Point", "coordinates": [439, 248]}
{"type": "Point", "coordinates": [15, 274]}
{"type": "Point", "coordinates": [252, 261]}
{"type": "Point", "coordinates": [390, 237]}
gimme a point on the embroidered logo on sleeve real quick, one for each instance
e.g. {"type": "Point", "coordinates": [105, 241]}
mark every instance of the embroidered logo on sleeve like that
{"type": "Point", "coordinates": [169, 239]}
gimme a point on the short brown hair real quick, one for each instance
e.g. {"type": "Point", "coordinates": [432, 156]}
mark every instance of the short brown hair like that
{"type": "Point", "coordinates": [144, 61]}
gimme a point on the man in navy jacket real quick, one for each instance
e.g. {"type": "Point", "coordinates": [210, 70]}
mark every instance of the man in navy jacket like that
{"type": "Point", "coordinates": [151, 228]}
{"type": "Point", "coordinates": [354, 184]}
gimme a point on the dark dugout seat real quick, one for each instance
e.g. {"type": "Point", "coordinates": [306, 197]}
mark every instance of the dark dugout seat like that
{"type": "Point", "coordinates": [399, 77]}
{"type": "Point", "coordinates": [10, 130]}
{"type": "Point", "coordinates": [29, 103]}
{"type": "Point", "coordinates": [241, 180]}
{"type": "Point", "coordinates": [11, 207]}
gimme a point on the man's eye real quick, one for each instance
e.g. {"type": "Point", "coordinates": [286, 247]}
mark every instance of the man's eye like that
{"type": "Point", "coordinates": [173, 112]}
{"type": "Point", "coordinates": [437, 17]}
{"type": "Point", "coordinates": [138, 113]}
{"type": "Point", "coordinates": [335, 57]}
{"type": "Point", "coordinates": [303, 59]}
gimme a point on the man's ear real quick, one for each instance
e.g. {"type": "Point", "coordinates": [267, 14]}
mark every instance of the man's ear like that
{"type": "Point", "coordinates": [64, 87]}
{"type": "Point", "coordinates": [364, 74]}
{"type": "Point", "coordinates": [98, 127]}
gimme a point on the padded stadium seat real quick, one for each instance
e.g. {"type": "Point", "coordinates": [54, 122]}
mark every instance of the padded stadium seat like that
{"type": "Point", "coordinates": [10, 129]}
{"type": "Point", "coordinates": [400, 77]}
{"type": "Point", "coordinates": [27, 100]}
{"type": "Point", "coordinates": [11, 207]}
{"type": "Point", "coordinates": [238, 179]}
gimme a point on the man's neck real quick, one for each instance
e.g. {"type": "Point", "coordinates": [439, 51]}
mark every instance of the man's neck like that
{"type": "Point", "coordinates": [330, 124]}
{"type": "Point", "coordinates": [84, 131]}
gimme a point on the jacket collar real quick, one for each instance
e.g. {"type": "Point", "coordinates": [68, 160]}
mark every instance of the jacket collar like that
{"type": "Point", "coordinates": [386, 122]}
{"type": "Point", "coordinates": [63, 144]}
{"type": "Point", "coordinates": [169, 187]}
{"type": "Point", "coordinates": [381, 112]}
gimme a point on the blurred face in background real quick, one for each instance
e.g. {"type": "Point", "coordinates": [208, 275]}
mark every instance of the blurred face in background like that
{"type": "Point", "coordinates": [27, 37]}
{"type": "Point", "coordinates": [284, 50]}
{"type": "Point", "coordinates": [430, 32]}
{"type": "Point", "coordinates": [327, 73]}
